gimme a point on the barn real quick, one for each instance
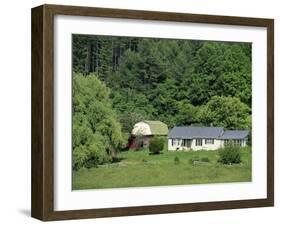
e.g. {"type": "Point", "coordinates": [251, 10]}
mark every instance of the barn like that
{"type": "Point", "coordinates": [143, 131]}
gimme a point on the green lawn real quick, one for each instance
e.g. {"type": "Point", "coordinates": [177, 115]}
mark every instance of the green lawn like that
{"type": "Point", "coordinates": [139, 169]}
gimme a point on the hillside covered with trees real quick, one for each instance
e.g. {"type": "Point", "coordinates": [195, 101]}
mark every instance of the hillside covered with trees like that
{"type": "Point", "coordinates": [119, 81]}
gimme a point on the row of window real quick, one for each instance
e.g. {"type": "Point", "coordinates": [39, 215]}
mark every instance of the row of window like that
{"type": "Point", "coordinates": [236, 142]}
{"type": "Point", "coordinates": [198, 142]}
{"type": "Point", "coordinates": [187, 142]}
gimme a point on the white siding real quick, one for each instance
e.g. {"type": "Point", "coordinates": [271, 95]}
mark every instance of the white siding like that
{"type": "Point", "coordinates": [243, 143]}
{"type": "Point", "coordinates": [217, 144]}
{"type": "Point", "coordinates": [170, 146]}
{"type": "Point", "coordinates": [177, 145]}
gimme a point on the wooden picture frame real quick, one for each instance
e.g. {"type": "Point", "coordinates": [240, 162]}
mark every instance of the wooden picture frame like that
{"type": "Point", "coordinates": [42, 204]}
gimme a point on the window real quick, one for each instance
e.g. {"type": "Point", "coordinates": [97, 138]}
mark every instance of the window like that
{"type": "Point", "coordinates": [238, 142]}
{"type": "Point", "coordinates": [183, 143]}
{"type": "Point", "coordinates": [186, 143]}
{"type": "Point", "coordinates": [226, 142]}
{"type": "Point", "coordinates": [198, 142]}
{"type": "Point", "coordinates": [209, 141]}
{"type": "Point", "coordinates": [175, 142]}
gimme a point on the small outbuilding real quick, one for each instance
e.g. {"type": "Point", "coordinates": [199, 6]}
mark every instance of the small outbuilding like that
{"type": "Point", "coordinates": [143, 131]}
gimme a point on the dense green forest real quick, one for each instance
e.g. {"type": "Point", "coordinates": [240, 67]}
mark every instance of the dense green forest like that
{"type": "Point", "coordinates": [121, 80]}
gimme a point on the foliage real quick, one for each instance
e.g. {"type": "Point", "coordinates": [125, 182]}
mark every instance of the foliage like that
{"type": "Point", "coordinates": [230, 154]}
{"type": "Point", "coordinates": [129, 119]}
{"type": "Point", "coordinates": [228, 112]}
{"type": "Point", "coordinates": [79, 156]}
{"type": "Point", "coordinates": [173, 81]}
{"type": "Point", "coordinates": [176, 160]}
{"type": "Point", "coordinates": [96, 132]}
{"type": "Point", "coordinates": [156, 145]}
{"type": "Point", "coordinates": [187, 114]}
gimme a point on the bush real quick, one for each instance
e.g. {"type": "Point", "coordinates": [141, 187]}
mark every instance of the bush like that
{"type": "Point", "coordinates": [92, 154]}
{"type": "Point", "coordinates": [230, 154]}
{"type": "Point", "coordinates": [176, 160]}
{"type": "Point", "coordinates": [156, 145]}
{"type": "Point", "coordinates": [97, 155]}
{"type": "Point", "coordinates": [79, 157]}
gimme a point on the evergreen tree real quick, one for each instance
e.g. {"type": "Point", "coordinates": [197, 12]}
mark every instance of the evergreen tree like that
{"type": "Point", "coordinates": [164, 79]}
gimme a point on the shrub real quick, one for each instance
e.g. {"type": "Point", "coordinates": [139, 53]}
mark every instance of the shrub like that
{"type": "Point", "coordinates": [79, 157]}
{"type": "Point", "coordinates": [97, 155]}
{"type": "Point", "coordinates": [156, 145]}
{"type": "Point", "coordinates": [92, 154]}
{"type": "Point", "coordinates": [176, 160]}
{"type": "Point", "coordinates": [230, 154]}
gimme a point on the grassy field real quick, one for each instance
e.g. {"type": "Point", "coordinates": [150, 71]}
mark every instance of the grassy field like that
{"type": "Point", "coordinates": [139, 169]}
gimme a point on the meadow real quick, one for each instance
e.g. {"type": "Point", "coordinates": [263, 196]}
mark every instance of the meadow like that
{"type": "Point", "coordinates": [140, 169]}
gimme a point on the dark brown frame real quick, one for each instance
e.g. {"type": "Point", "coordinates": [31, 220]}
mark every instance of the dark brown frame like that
{"type": "Point", "coordinates": [42, 203]}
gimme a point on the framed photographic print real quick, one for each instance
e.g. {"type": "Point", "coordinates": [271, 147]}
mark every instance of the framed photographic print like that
{"type": "Point", "coordinates": [141, 112]}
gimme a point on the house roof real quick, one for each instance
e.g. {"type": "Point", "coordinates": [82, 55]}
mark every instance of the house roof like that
{"type": "Point", "coordinates": [190, 132]}
{"type": "Point", "coordinates": [157, 127]}
{"type": "Point", "coordinates": [235, 134]}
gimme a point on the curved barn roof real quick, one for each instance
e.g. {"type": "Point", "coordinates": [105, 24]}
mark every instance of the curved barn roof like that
{"type": "Point", "coordinates": [157, 127]}
{"type": "Point", "coordinates": [147, 127]}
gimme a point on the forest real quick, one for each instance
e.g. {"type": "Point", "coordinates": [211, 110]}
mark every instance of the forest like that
{"type": "Point", "coordinates": [118, 81]}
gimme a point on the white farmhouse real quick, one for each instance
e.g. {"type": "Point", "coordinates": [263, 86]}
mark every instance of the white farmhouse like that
{"type": "Point", "coordinates": [204, 138]}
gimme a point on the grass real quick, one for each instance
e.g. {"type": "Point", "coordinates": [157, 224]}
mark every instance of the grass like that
{"type": "Point", "coordinates": [139, 169]}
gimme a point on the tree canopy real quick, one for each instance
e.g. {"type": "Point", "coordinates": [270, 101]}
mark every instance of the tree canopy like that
{"type": "Point", "coordinates": [97, 133]}
{"type": "Point", "coordinates": [165, 79]}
